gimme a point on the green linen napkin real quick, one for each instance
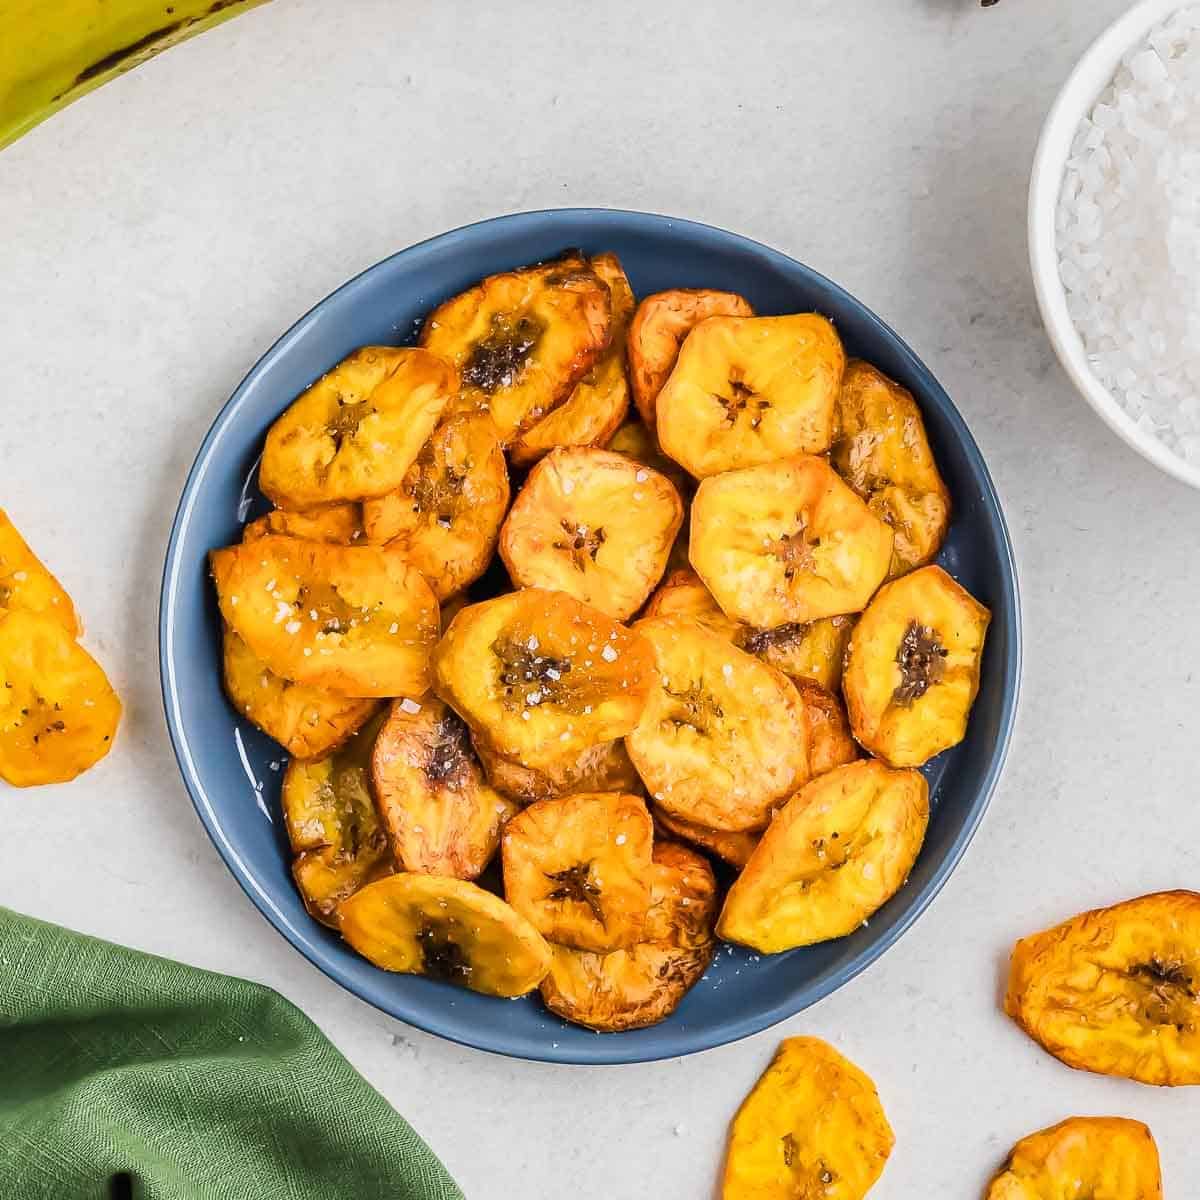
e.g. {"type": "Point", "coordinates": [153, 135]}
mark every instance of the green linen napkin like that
{"type": "Point", "coordinates": [125, 1075]}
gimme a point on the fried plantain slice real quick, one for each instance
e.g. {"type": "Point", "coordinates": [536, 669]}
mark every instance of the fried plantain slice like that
{"type": "Point", "coordinates": [683, 594]}
{"type": "Point", "coordinates": [786, 543]}
{"type": "Point", "coordinates": [338, 524]}
{"type": "Point", "coordinates": [602, 768]}
{"type": "Point", "coordinates": [733, 848]}
{"type": "Point", "coordinates": [577, 867]}
{"type": "Point", "coordinates": [635, 441]}
{"type": "Point", "coordinates": [540, 677]}
{"type": "Point", "coordinates": [723, 738]}
{"type": "Point", "coordinates": [332, 825]}
{"type": "Point", "coordinates": [358, 620]}
{"type": "Point", "coordinates": [750, 390]}
{"type": "Point", "coordinates": [812, 1127]}
{"type": "Point", "coordinates": [597, 406]}
{"type": "Point", "coordinates": [1108, 1157]}
{"type": "Point", "coordinates": [595, 525]}
{"type": "Point", "coordinates": [447, 929]}
{"type": "Point", "coordinates": [658, 329]}
{"type": "Point", "coordinates": [446, 515]}
{"type": "Point", "coordinates": [830, 742]}
{"type": "Point", "coordinates": [881, 450]}
{"type": "Point", "coordinates": [522, 340]}
{"type": "Point", "coordinates": [912, 667]}
{"type": "Point", "coordinates": [58, 712]}
{"type": "Point", "coordinates": [643, 983]}
{"type": "Point", "coordinates": [306, 721]}
{"type": "Point", "coordinates": [837, 851]}
{"type": "Point", "coordinates": [353, 434]}
{"type": "Point", "coordinates": [440, 815]}
{"type": "Point", "coordinates": [27, 586]}
{"type": "Point", "coordinates": [1117, 990]}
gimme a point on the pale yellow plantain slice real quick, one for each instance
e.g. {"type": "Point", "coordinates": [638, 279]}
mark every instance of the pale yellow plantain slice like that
{"type": "Point", "coordinates": [27, 586]}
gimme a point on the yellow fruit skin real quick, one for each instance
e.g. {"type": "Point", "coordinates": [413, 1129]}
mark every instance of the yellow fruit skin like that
{"type": "Point", "coordinates": [53, 53]}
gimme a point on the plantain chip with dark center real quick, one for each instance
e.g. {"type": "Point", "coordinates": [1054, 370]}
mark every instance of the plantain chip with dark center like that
{"type": "Point", "coordinates": [733, 848]}
{"type": "Point", "coordinates": [602, 768]}
{"type": "Point", "coordinates": [833, 855]}
{"type": "Point", "coordinates": [912, 667]}
{"type": "Point", "coordinates": [812, 1128]}
{"type": "Point", "coordinates": [439, 813]}
{"type": "Point", "coordinates": [1116, 990]}
{"type": "Point", "coordinates": [337, 524]}
{"type": "Point", "coordinates": [642, 984]}
{"type": "Point", "coordinates": [577, 867]}
{"type": "Point", "coordinates": [353, 434]}
{"type": "Point", "coordinates": [447, 929]}
{"type": "Point", "coordinates": [26, 585]}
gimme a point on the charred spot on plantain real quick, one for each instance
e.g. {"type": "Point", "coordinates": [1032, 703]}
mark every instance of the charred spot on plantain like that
{"type": "Point", "coordinates": [502, 353]}
{"type": "Point", "coordinates": [438, 492]}
{"type": "Point", "coordinates": [345, 422]}
{"type": "Point", "coordinates": [442, 957]}
{"type": "Point", "coordinates": [582, 542]}
{"type": "Point", "coordinates": [1172, 994]}
{"type": "Point", "coordinates": [756, 641]}
{"type": "Point", "coordinates": [448, 757]}
{"type": "Point", "coordinates": [795, 551]}
{"type": "Point", "coordinates": [700, 706]}
{"type": "Point", "coordinates": [575, 884]}
{"type": "Point", "coordinates": [922, 662]}
{"type": "Point", "coordinates": [743, 402]}
{"type": "Point", "coordinates": [527, 677]}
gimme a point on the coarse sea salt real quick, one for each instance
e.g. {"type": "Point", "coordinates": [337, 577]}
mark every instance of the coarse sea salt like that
{"type": "Point", "coordinates": [1128, 231]}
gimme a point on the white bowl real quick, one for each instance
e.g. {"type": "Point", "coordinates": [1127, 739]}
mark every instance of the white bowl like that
{"type": "Point", "coordinates": [1093, 73]}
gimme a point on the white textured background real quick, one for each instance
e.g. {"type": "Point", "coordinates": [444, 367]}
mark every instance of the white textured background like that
{"type": "Point", "coordinates": [157, 236]}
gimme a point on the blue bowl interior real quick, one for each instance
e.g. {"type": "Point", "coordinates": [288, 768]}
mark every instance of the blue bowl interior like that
{"type": "Point", "coordinates": [233, 772]}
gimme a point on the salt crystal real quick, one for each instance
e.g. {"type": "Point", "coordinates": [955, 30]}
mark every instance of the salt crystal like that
{"type": "Point", "coordinates": [608, 654]}
{"type": "Point", "coordinates": [409, 706]}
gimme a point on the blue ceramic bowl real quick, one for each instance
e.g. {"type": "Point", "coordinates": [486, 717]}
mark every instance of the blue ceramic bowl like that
{"type": "Point", "coordinates": [233, 772]}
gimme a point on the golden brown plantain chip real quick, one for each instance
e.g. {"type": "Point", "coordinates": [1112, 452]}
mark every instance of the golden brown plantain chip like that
{"type": "Point", "coordinates": [522, 340]}
{"type": "Point", "coordinates": [334, 830]}
{"type": "Point", "coordinates": [578, 867]}
{"type": "Point", "coordinates": [723, 737]}
{"type": "Point", "coordinates": [446, 515]}
{"type": "Point", "coordinates": [833, 855]}
{"type": "Point", "coordinates": [912, 667]}
{"type": "Point", "coordinates": [595, 525]}
{"type": "Point", "coordinates": [595, 409]}
{"type": "Point", "coordinates": [602, 768]}
{"type": "Point", "coordinates": [446, 929]}
{"type": "Point", "coordinates": [658, 329]}
{"type": "Point", "coordinates": [358, 620]}
{"type": "Point", "coordinates": [440, 815]}
{"type": "Point", "coordinates": [733, 848]}
{"type": "Point", "coordinates": [1117, 990]}
{"type": "Point", "coordinates": [306, 721]}
{"type": "Point", "coordinates": [58, 712]}
{"type": "Point", "coordinates": [830, 742]}
{"type": "Point", "coordinates": [635, 441]}
{"type": "Point", "coordinates": [27, 586]}
{"type": "Point", "coordinates": [338, 524]}
{"type": "Point", "coordinates": [787, 542]}
{"type": "Point", "coordinates": [812, 1127]}
{"type": "Point", "coordinates": [750, 390]}
{"type": "Point", "coordinates": [353, 434]}
{"type": "Point", "coordinates": [881, 450]}
{"type": "Point", "coordinates": [542, 678]}
{"type": "Point", "coordinates": [643, 983]}
{"type": "Point", "coordinates": [1105, 1157]}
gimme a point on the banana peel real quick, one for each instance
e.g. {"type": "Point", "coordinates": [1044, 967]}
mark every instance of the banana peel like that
{"type": "Point", "coordinates": [53, 53]}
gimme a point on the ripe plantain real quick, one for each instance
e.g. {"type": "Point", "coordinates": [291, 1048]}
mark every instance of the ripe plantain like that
{"type": "Point", "coordinates": [26, 585]}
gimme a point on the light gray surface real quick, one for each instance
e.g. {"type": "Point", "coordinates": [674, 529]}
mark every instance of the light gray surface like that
{"type": "Point", "coordinates": [161, 233]}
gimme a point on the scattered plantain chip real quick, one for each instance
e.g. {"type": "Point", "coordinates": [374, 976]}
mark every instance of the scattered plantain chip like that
{"type": "Point", "coordinates": [358, 620]}
{"type": "Point", "coordinates": [1117, 990]}
{"type": "Point", "coordinates": [658, 329]}
{"type": "Point", "coordinates": [787, 542]}
{"type": "Point", "coordinates": [597, 406]}
{"type": "Point", "coordinates": [540, 677]}
{"type": "Point", "coordinates": [811, 1129]}
{"type": "Point", "coordinates": [643, 983]}
{"type": "Point", "coordinates": [338, 524]}
{"type": "Point", "coordinates": [749, 390]}
{"type": "Point", "coordinates": [723, 737]}
{"type": "Point", "coordinates": [306, 721]}
{"type": "Point", "coordinates": [830, 742]}
{"type": "Point", "coordinates": [522, 340]}
{"type": "Point", "coordinates": [354, 433]}
{"type": "Point", "coordinates": [26, 585]}
{"type": "Point", "coordinates": [912, 667]}
{"type": "Point", "coordinates": [440, 815]}
{"type": "Point", "coordinates": [733, 848]}
{"type": "Point", "coordinates": [595, 525]}
{"type": "Point", "coordinates": [58, 712]}
{"type": "Point", "coordinates": [838, 850]}
{"type": "Point", "coordinates": [334, 830]}
{"type": "Point", "coordinates": [1109, 1158]}
{"type": "Point", "coordinates": [446, 929]}
{"type": "Point", "coordinates": [578, 868]}
{"type": "Point", "coordinates": [602, 768]}
{"type": "Point", "coordinates": [881, 450]}
{"type": "Point", "coordinates": [445, 517]}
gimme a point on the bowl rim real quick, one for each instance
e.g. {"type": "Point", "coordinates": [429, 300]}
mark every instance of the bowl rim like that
{"type": "Point", "coordinates": [1092, 73]}
{"type": "Point", "coordinates": [607, 1050]}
